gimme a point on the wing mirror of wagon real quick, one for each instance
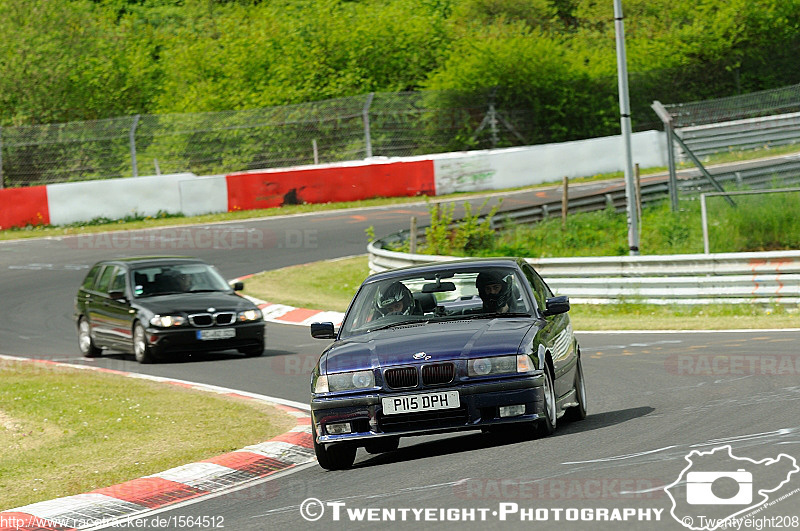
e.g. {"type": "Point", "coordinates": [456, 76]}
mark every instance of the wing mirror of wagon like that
{"type": "Point", "coordinates": [237, 286]}
{"type": "Point", "coordinates": [556, 306]}
{"type": "Point", "coordinates": [322, 331]}
{"type": "Point", "coordinates": [117, 295]}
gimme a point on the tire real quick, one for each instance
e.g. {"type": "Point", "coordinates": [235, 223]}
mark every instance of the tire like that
{"type": "Point", "coordinates": [578, 412]}
{"type": "Point", "coordinates": [252, 352]}
{"type": "Point", "coordinates": [335, 456]}
{"type": "Point", "coordinates": [547, 425]}
{"type": "Point", "coordinates": [85, 341]}
{"type": "Point", "coordinates": [382, 445]}
{"type": "Point", "coordinates": [141, 350]}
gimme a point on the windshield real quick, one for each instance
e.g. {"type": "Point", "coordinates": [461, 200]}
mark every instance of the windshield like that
{"type": "Point", "coordinates": [176, 278]}
{"type": "Point", "coordinates": [437, 296]}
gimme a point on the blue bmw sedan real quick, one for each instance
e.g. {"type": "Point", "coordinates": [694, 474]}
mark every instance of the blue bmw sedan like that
{"type": "Point", "coordinates": [463, 345]}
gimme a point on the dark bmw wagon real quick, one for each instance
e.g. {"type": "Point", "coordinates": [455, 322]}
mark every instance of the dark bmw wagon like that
{"type": "Point", "coordinates": [155, 306]}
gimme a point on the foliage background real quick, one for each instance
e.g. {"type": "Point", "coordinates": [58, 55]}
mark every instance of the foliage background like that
{"type": "Point", "coordinates": [96, 59]}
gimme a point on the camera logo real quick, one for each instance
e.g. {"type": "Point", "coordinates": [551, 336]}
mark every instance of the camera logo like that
{"type": "Point", "coordinates": [700, 488]}
{"type": "Point", "coordinates": [716, 487]}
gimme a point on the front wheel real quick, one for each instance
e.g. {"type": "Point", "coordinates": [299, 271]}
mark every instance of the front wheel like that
{"type": "Point", "coordinates": [578, 412]}
{"type": "Point", "coordinates": [547, 425]}
{"type": "Point", "coordinates": [335, 456]}
{"type": "Point", "coordinates": [85, 341]}
{"type": "Point", "coordinates": [141, 350]}
{"type": "Point", "coordinates": [252, 352]}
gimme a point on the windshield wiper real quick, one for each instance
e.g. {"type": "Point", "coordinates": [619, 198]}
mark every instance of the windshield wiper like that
{"type": "Point", "coordinates": [401, 323]}
{"type": "Point", "coordinates": [497, 314]}
{"type": "Point", "coordinates": [202, 290]}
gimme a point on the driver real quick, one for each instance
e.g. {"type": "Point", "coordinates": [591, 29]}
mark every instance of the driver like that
{"type": "Point", "coordinates": [494, 291]}
{"type": "Point", "coordinates": [185, 282]}
{"type": "Point", "coordinates": [395, 299]}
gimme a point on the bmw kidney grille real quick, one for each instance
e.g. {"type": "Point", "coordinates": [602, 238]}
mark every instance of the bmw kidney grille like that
{"type": "Point", "coordinates": [209, 319]}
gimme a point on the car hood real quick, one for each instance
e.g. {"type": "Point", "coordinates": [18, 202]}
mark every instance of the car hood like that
{"type": "Point", "coordinates": [194, 302]}
{"type": "Point", "coordinates": [440, 341]}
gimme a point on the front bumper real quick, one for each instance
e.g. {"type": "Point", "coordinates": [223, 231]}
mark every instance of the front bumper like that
{"type": "Point", "coordinates": [479, 408]}
{"type": "Point", "coordinates": [177, 340]}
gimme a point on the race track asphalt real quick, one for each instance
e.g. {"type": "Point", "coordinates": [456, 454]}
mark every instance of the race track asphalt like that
{"type": "Point", "coordinates": [654, 397]}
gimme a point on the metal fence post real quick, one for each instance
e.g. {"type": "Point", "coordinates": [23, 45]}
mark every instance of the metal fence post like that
{"type": "Point", "coordinates": [133, 145]}
{"type": "Point", "coordinates": [673, 177]}
{"type": "Point", "coordinates": [367, 137]}
{"type": "Point", "coordinates": [493, 118]}
{"type": "Point", "coordinates": [666, 118]}
{"type": "Point", "coordinates": [704, 221]}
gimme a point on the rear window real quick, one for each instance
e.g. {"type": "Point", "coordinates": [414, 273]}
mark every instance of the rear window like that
{"type": "Point", "coordinates": [91, 277]}
{"type": "Point", "coordinates": [105, 279]}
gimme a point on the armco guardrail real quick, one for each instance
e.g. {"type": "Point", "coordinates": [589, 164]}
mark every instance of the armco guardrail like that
{"type": "Point", "coordinates": [781, 172]}
{"type": "Point", "coordinates": [749, 133]}
{"type": "Point", "coordinates": [766, 277]}
{"type": "Point", "coordinates": [785, 172]}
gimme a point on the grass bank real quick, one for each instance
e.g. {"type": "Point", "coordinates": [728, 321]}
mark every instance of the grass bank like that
{"type": "Point", "coordinates": [330, 285]}
{"type": "Point", "coordinates": [67, 431]}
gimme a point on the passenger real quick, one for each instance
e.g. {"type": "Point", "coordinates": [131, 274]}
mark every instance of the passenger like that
{"type": "Point", "coordinates": [185, 282]}
{"type": "Point", "coordinates": [495, 292]}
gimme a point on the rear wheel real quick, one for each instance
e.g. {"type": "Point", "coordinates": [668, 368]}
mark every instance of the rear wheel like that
{"type": "Point", "coordinates": [383, 445]}
{"type": "Point", "coordinates": [85, 341]}
{"type": "Point", "coordinates": [335, 456]}
{"type": "Point", "coordinates": [547, 425]}
{"type": "Point", "coordinates": [141, 350]}
{"type": "Point", "coordinates": [578, 412]}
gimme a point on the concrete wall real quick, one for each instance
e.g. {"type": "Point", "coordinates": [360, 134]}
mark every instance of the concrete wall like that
{"type": "Point", "coordinates": [147, 196]}
{"type": "Point", "coordinates": [60, 204]}
{"type": "Point", "coordinates": [525, 166]}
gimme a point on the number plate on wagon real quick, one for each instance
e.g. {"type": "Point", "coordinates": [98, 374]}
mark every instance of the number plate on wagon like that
{"type": "Point", "coordinates": [216, 333]}
{"type": "Point", "coordinates": [421, 402]}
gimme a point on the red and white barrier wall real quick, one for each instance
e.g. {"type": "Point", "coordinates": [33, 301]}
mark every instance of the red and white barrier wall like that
{"type": "Point", "coordinates": [186, 193]}
{"type": "Point", "coordinates": [330, 183]}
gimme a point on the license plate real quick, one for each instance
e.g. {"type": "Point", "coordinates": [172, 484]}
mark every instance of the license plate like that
{"type": "Point", "coordinates": [422, 402]}
{"type": "Point", "coordinates": [216, 333]}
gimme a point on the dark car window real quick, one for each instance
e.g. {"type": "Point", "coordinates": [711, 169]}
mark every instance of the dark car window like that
{"type": "Point", "coordinates": [105, 279]}
{"type": "Point", "coordinates": [443, 295]}
{"type": "Point", "coordinates": [91, 277]}
{"type": "Point", "coordinates": [118, 282]}
{"type": "Point", "coordinates": [177, 278]}
{"type": "Point", "coordinates": [541, 291]}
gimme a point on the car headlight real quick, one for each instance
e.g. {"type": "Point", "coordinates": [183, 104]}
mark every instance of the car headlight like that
{"type": "Point", "coordinates": [321, 385]}
{"type": "Point", "coordinates": [250, 315]}
{"type": "Point", "coordinates": [344, 381]}
{"type": "Point", "coordinates": [499, 365]}
{"type": "Point", "coordinates": [167, 321]}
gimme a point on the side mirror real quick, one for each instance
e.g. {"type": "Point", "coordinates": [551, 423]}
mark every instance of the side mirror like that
{"type": "Point", "coordinates": [238, 285]}
{"type": "Point", "coordinates": [556, 306]}
{"type": "Point", "coordinates": [322, 331]}
{"type": "Point", "coordinates": [117, 295]}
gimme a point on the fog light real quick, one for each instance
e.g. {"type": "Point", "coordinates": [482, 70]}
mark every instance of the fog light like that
{"type": "Point", "coordinates": [338, 429]}
{"type": "Point", "coordinates": [512, 411]}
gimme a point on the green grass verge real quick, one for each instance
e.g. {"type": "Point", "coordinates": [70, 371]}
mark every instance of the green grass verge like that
{"type": "Point", "coordinates": [68, 431]}
{"type": "Point", "coordinates": [327, 285]}
{"type": "Point", "coordinates": [330, 285]}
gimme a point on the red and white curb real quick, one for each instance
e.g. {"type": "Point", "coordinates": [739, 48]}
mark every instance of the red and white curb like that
{"type": "Point", "coordinates": [281, 313]}
{"type": "Point", "coordinates": [137, 497]}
